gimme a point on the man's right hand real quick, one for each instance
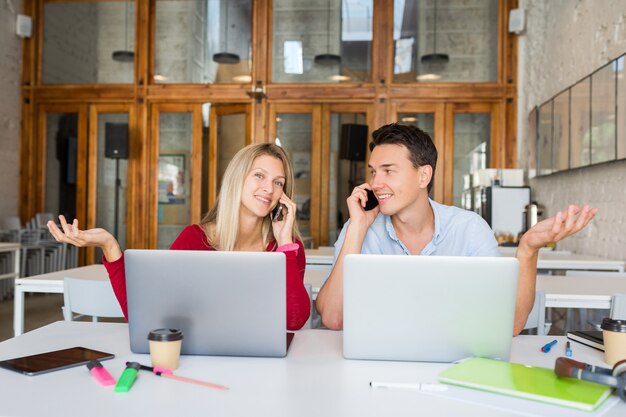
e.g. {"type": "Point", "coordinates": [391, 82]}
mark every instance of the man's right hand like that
{"type": "Point", "coordinates": [330, 298]}
{"type": "Point", "coordinates": [356, 207]}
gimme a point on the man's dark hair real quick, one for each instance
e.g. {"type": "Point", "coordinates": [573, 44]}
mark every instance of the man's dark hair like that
{"type": "Point", "coordinates": [421, 148]}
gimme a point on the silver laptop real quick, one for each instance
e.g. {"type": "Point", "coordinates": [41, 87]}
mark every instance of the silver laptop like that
{"type": "Point", "coordinates": [428, 308]}
{"type": "Point", "coordinates": [226, 303]}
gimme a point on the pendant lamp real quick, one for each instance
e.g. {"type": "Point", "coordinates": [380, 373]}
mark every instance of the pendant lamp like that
{"type": "Point", "coordinates": [327, 58]}
{"type": "Point", "coordinates": [124, 55]}
{"type": "Point", "coordinates": [226, 57]}
{"type": "Point", "coordinates": [435, 58]}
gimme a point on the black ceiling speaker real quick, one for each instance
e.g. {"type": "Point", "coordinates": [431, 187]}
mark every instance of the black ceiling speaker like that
{"type": "Point", "coordinates": [435, 58]}
{"type": "Point", "coordinates": [226, 57]}
{"type": "Point", "coordinates": [327, 58]}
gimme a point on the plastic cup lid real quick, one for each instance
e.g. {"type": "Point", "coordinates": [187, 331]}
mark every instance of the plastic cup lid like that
{"type": "Point", "coordinates": [165, 335]}
{"type": "Point", "coordinates": [613, 325]}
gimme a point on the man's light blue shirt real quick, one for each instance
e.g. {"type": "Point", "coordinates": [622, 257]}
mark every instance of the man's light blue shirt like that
{"type": "Point", "coordinates": [458, 232]}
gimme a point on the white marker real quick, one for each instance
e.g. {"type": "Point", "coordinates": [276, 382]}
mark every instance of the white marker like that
{"type": "Point", "coordinates": [415, 387]}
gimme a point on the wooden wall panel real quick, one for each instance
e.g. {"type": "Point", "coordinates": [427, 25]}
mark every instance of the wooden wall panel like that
{"type": "Point", "coordinates": [379, 95]}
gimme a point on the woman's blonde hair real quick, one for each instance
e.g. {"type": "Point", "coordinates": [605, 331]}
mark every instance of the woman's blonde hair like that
{"type": "Point", "coordinates": [225, 212]}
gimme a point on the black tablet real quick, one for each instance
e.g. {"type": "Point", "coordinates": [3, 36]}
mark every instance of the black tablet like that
{"type": "Point", "coordinates": [54, 361]}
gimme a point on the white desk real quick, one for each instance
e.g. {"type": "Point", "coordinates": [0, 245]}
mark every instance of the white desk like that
{"type": "Point", "coordinates": [573, 261]}
{"type": "Point", "coordinates": [560, 291]}
{"type": "Point", "coordinates": [547, 260]}
{"type": "Point", "coordinates": [15, 248]}
{"type": "Point", "coordinates": [321, 257]}
{"type": "Point", "coordinates": [49, 283]}
{"type": "Point", "coordinates": [313, 380]}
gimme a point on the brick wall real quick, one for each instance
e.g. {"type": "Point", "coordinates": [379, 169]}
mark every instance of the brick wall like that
{"type": "Point", "coordinates": [565, 41]}
{"type": "Point", "coordinates": [10, 64]}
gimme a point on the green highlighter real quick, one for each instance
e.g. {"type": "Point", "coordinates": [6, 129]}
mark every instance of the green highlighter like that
{"type": "Point", "coordinates": [128, 377]}
{"type": "Point", "coordinates": [533, 383]}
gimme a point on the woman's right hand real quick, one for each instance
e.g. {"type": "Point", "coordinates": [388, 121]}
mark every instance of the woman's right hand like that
{"type": "Point", "coordinates": [84, 238]}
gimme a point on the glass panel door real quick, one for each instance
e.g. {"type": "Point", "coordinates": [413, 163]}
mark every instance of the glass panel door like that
{"type": "Point", "coordinates": [229, 131]}
{"type": "Point", "coordinates": [177, 163]}
{"type": "Point", "coordinates": [62, 179]}
{"type": "Point", "coordinates": [327, 41]}
{"type": "Point", "coordinates": [88, 42]}
{"type": "Point", "coordinates": [472, 141]}
{"type": "Point", "coordinates": [175, 135]}
{"type": "Point", "coordinates": [109, 150]}
{"type": "Point", "coordinates": [348, 134]}
{"type": "Point", "coordinates": [202, 41]}
{"type": "Point", "coordinates": [445, 41]}
{"type": "Point", "coordinates": [61, 176]}
{"type": "Point", "coordinates": [469, 147]}
{"type": "Point", "coordinates": [296, 128]}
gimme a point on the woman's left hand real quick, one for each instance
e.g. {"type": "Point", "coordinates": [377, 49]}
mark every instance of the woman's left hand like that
{"type": "Point", "coordinates": [283, 229]}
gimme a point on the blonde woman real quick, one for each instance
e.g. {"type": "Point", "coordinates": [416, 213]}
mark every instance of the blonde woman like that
{"type": "Point", "coordinates": [257, 179]}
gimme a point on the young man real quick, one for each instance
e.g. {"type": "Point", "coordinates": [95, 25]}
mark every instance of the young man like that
{"type": "Point", "coordinates": [402, 164]}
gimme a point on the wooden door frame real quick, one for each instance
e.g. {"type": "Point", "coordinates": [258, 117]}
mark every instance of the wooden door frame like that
{"type": "Point", "coordinates": [316, 156]}
{"type": "Point", "coordinates": [195, 194]}
{"type": "Point", "coordinates": [497, 144]}
{"type": "Point", "coordinates": [222, 109]}
{"type": "Point", "coordinates": [41, 152]}
{"type": "Point", "coordinates": [92, 170]}
{"type": "Point", "coordinates": [327, 109]}
{"type": "Point", "coordinates": [38, 205]}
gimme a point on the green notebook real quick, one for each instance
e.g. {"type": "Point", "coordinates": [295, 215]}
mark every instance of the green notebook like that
{"type": "Point", "coordinates": [539, 384]}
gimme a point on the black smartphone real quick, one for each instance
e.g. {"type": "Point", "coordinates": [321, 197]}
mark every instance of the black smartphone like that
{"type": "Point", "coordinates": [54, 361]}
{"type": "Point", "coordinates": [372, 201]}
{"type": "Point", "coordinates": [277, 213]}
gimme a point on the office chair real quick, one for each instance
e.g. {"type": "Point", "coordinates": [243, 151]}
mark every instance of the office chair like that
{"type": "Point", "coordinates": [89, 298]}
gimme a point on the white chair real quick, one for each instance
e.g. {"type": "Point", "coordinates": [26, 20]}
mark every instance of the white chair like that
{"type": "Point", "coordinates": [10, 223]}
{"type": "Point", "coordinates": [90, 298]}
{"type": "Point", "coordinates": [41, 219]}
{"type": "Point", "coordinates": [537, 316]}
{"type": "Point", "coordinates": [618, 306]}
{"type": "Point", "coordinates": [594, 317]}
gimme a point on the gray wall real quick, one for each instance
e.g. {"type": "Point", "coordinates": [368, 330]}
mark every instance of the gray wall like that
{"type": "Point", "coordinates": [565, 41]}
{"type": "Point", "coordinates": [10, 64]}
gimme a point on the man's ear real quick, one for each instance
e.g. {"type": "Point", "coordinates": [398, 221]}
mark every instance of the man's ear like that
{"type": "Point", "coordinates": [424, 176]}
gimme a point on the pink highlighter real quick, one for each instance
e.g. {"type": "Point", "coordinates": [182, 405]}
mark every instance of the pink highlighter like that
{"type": "Point", "coordinates": [102, 375]}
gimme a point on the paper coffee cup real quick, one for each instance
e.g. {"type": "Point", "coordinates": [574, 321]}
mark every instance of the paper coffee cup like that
{"type": "Point", "coordinates": [165, 347]}
{"type": "Point", "coordinates": [614, 334]}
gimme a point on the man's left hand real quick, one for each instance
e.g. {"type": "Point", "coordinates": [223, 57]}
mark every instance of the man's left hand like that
{"type": "Point", "coordinates": [563, 224]}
